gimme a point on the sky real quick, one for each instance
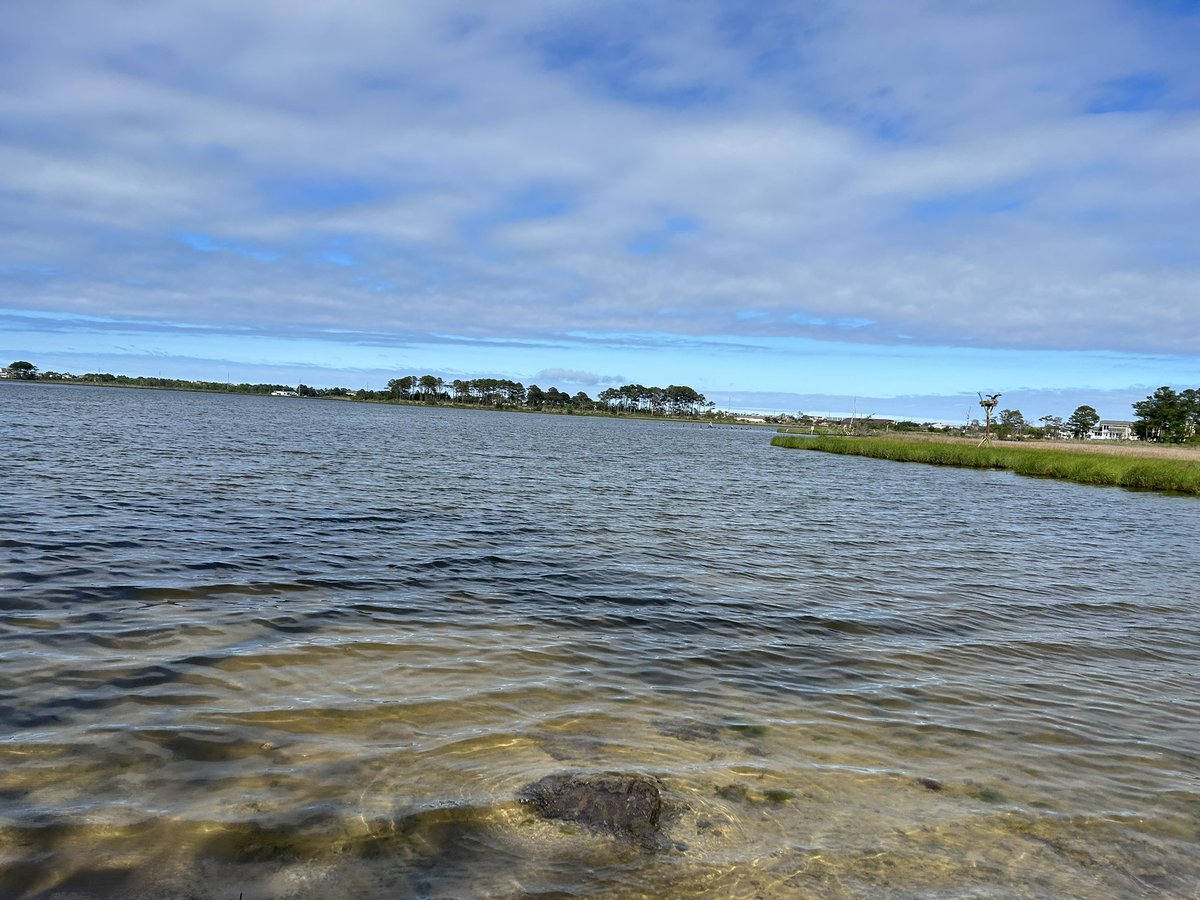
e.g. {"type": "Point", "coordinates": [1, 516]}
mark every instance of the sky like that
{"type": "Point", "coordinates": [818, 205]}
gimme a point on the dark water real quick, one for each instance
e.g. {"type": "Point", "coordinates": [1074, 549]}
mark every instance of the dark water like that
{"type": "Point", "coordinates": [282, 648]}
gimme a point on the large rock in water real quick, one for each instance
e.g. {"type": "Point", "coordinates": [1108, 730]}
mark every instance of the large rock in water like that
{"type": "Point", "coordinates": [621, 804]}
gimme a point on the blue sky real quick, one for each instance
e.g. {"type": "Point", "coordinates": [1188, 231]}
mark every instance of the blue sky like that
{"type": "Point", "coordinates": [817, 206]}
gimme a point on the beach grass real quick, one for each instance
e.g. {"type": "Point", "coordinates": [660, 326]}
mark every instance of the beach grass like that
{"type": "Point", "coordinates": [1138, 472]}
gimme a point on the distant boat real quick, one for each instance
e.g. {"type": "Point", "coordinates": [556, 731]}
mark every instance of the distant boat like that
{"type": "Point", "coordinates": [284, 394]}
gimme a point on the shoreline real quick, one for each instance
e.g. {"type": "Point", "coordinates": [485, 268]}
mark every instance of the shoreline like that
{"type": "Point", "coordinates": [1168, 470]}
{"type": "Point", "coordinates": [718, 421]}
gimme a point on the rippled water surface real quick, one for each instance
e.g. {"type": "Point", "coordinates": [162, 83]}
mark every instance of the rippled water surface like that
{"type": "Point", "coordinates": [278, 648]}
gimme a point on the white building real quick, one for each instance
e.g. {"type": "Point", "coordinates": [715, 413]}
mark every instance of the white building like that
{"type": "Point", "coordinates": [1112, 430]}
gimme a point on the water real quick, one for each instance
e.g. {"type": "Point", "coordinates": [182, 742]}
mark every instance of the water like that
{"type": "Point", "coordinates": [279, 648]}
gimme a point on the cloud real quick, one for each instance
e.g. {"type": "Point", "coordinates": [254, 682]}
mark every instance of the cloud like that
{"type": "Point", "coordinates": [571, 376]}
{"type": "Point", "coordinates": [928, 174]}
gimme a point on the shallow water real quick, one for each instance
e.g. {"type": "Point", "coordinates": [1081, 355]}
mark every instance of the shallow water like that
{"type": "Point", "coordinates": [283, 648]}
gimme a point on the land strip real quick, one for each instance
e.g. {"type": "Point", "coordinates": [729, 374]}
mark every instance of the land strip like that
{"type": "Point", "coordinates": [1152, 468]}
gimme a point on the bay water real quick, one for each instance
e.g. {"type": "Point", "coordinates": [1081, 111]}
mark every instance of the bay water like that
{"type": "Point", "coordinates": [284, 648]}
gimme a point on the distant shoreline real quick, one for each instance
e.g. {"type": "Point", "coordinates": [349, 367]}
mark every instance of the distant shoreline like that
{"type": "Point", "coordinates": [719, 419]}
{"type": "Point", "coordinates": [1139, 467]}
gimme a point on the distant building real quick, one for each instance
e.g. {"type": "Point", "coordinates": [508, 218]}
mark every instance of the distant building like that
{"type": "Point", "coordinates": [1112, 430]}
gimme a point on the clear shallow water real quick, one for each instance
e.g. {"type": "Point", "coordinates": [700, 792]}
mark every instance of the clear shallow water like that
{"type": "Point", "coordinates": [284, 648]}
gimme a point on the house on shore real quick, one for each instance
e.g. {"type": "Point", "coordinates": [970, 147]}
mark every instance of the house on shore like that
{"type": "Point", "coordinates": [1112, 430]}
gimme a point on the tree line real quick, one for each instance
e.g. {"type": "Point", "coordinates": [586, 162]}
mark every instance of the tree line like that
{"type": "Point", "coordinates": [499, 393]}
{"type": "Point", "coordinates": [676, 400]}
{"type": "Point", "coordinates": [1167, 416]}
{"type": "Point", "coordinates": [26, 371]}
{"type": "Point", "coordinates": [1010, 424]}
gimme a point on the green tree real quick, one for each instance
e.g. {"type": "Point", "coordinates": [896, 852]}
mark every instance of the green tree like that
{"type": "Point", "coordinates": [633, 396]}
{"type": "Point", "coordinates": [1052, 427]}
{"type": "Point", "coordinates": [1082, 421]}
{"type": "Point", "coordinates": [23, 369]}
{"type": "Point", "coordinates": [512, 392]}
{"type": "Point", "coordinates": [610, 397]}
{"type": "Point", "coordinates": [1168, 416]}
{"type": "Point", "coordinates": [1191, 400]}
{"type": "Point", "coordinates": [683, 400]}
{"type": "Point", "coordinates": [1010, 424]}
{"type": "Point", "coordinates": [401, 388]}
{"type": "Point", "coordinates": [430, 386]}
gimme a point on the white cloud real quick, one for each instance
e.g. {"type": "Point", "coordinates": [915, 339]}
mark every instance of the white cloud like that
{"type": "Point", "coordinates": [928, 168]}
{"type": "Point", "coordinates": [575, 377]}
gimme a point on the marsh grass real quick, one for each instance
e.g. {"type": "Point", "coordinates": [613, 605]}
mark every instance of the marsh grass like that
{"type": "Point", "coordinates": [1139, 472]}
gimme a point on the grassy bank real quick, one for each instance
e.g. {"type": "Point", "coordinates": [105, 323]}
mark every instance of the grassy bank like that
{"type": "Point", "coordinates": [1142, 472]}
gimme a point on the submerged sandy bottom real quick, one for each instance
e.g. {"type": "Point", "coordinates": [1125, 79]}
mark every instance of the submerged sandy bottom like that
{"type": "Point", "coordinates": [377, 797]}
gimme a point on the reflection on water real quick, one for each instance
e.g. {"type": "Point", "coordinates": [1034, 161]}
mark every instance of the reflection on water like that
{"type": "Point", "coordinates": [283, 648]}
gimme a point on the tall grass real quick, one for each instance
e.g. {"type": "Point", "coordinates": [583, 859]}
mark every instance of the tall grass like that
{"type": "Point", "coordinates": [1139, 472]}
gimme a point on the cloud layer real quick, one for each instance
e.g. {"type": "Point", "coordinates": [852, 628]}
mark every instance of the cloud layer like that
{"type": "Point", "coordinates": [1017, 175]}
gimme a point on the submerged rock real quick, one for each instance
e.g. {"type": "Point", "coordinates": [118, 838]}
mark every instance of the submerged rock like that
{"type": "Point", "coordinates": [627, 805]}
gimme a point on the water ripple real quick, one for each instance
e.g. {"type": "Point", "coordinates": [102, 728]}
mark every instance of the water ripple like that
{"type": "Point", "coordinates": [314, 649]}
